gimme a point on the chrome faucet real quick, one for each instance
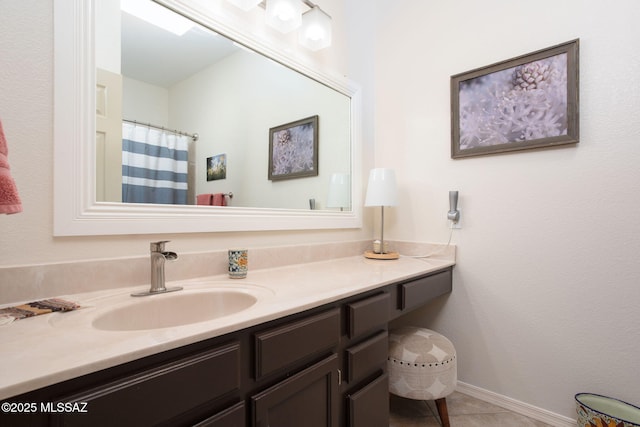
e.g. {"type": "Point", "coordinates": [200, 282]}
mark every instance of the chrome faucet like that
{"type": "Point", "coordinates": [158, 257]}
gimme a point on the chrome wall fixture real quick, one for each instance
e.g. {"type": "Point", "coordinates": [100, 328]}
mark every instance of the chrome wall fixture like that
{"type": "Point", "coordinates": [314, 25]}
{"type": "Point", "coordinates": [454, 213]}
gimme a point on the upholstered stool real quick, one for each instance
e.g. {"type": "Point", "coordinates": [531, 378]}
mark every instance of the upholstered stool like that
{"type": "Point", "coordinates": [422, 366]}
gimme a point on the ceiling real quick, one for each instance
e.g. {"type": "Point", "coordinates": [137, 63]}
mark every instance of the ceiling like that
{"type": "Point", "coordinates": [161, 58]}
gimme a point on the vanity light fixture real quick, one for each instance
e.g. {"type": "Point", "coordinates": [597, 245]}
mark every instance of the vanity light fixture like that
{"type": "Point", "coordinates": [286, 15]}
{"type": "Point", "coordinates": [381, 191]}
{"type": "Point", "coordinates": [245, 5]}
{"type": "Point", "coordinates": [315, 33]}
{"type": "Point", "coordinates": [157, 15]}
{"type": "Point", "coordinates": [339, 195]}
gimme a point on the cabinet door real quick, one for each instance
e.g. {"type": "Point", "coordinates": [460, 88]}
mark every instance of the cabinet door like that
{"type": "Point", "coordinates": [159, 394]}
{"type": "Point", "coordinates": [309, 398]}
{"type": "Point", "coordinates": [231, 417]}
{"type": "Point", "coordinates": [369, 406]}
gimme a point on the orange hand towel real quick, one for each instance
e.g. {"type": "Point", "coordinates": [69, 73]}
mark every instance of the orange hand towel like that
{"type": "Point", "coordinates": [9, 199]}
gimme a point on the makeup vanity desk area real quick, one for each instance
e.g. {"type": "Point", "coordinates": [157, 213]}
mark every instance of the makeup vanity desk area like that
{"type": "Point", "coordinates": [312, 354]}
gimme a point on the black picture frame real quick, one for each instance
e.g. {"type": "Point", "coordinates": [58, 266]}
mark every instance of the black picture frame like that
{"type": "Point", "coordinates": [530, 101]}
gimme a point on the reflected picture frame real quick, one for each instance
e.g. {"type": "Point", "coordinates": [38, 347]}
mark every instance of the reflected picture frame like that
{"type": "Point", "coordinates": [216, 167]}
{"type": "Point", "coordinates": [527, 102]}
{"type": "Point", "coordinates": [293, 149]}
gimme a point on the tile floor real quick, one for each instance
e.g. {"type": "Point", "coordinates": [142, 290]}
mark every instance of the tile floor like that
{"type": "Point", "coordinates": [464, 411]}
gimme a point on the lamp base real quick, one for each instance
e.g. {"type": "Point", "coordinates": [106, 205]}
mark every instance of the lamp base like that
{"type": "Point", "coordinates": [388, 255]}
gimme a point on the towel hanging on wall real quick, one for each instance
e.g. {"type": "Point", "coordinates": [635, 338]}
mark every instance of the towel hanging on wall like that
{"type": "Point", "coordinates": [204, 199]}
{"type": "Point", "coordinates": [219, 199]}
{"type": "Point", "coordinates": [9, 198]}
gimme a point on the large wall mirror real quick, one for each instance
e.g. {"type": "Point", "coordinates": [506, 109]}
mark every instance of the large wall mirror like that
{"type": "Point", "coordinates": [122, 83]}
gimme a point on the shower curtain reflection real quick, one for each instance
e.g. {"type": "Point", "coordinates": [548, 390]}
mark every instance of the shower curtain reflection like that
{"type": "Point", "coordinates": [154, 165]}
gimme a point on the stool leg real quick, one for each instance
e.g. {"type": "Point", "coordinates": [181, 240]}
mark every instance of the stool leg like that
{"type": "Point", "coordinates": [441, 404]}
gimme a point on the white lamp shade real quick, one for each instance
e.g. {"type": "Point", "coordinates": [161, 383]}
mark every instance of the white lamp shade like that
{"type": "Point", "coordinates": [245, 4]}
{"type": "Point", "coordinates": [284, 15]}
{"type": "Point", "coordinates": [315, 33]}
{"type": "Point", "coordinates": [339, 191]}
{"type": "Point", "coordinates": [382, 188]}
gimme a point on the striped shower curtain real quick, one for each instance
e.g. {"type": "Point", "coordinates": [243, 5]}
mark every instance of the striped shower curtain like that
{"type": "Point", "coordinates": [154, 165]}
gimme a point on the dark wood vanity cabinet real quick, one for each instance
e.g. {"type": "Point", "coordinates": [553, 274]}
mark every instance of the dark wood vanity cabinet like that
{"type": "Point", "coordinates": [366, 401]}
{"type": "Point", "coordinates": [309, 398]}
{"type": "Point", "coordinates": [324, 367]}
{"type": "Point", "coordinates": [160, 393]}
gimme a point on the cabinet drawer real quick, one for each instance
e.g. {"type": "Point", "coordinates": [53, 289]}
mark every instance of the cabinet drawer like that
{"type": "Point", "coordinates": [369, 406]}
{"type": "Point", "coordinates": [308, 398]}
{"type": "Point", "coordinates": [420, 291]}
{"type": "Point", "coordinates": [368, 314]}
{"type": "Point", "coordinates": [284, 345]}
{"type": "Point", "coordinates": [158, 394]}
{"type": "Point", "coordinates": [233, 416]}
{"type": "Point", "coordinates": [367, 357]}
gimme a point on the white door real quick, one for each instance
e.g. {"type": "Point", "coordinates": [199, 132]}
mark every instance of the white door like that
{"type": "Point", "coordinates": [108, 136]}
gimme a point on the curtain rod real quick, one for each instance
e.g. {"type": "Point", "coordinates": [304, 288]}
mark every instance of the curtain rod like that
{"type": "Point", "coordinates": [193, 136]}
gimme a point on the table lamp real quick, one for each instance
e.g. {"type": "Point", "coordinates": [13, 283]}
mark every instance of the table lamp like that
{"type": "Point", "coordinates": [339, 195]}
{"type": "Point", "coordinates": [381, 191]}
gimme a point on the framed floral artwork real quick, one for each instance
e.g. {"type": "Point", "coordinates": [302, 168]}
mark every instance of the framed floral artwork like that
{"type": "Point", "coordinates": [530, 101]}
{"type": "Point", "coordinates": [293, 149]}
{"type": "Point", "coordinates": [217, 167]}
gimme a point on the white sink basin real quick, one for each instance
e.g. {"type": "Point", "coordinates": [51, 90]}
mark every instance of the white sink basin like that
{"type": "Point", "coordinates": [197, 302]}
{"type": "Point", "coordinates": [174, 309]}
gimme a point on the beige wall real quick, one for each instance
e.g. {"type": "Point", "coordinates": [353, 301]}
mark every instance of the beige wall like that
{"type": "Point", "coordinates": [26, 111]}
{"type": "Point", "coordinates": [546, 289]}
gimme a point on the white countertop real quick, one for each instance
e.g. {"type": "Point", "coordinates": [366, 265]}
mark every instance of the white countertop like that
{"type": "Point", "coordinates": [47, 349]}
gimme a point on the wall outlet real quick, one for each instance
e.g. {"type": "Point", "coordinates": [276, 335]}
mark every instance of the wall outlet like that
{"type": "Point", "coordinates": [456, 225]}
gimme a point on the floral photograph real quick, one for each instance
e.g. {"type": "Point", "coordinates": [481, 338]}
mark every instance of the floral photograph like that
{"type": "Point", "coordinates": [528, 102]}
{"type": "Point", "coordinates": [293, 150]}
{"type": "Point", "coordinates": [517, 104]}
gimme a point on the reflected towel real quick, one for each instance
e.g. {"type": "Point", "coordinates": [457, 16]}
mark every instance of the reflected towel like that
{"type": "Point", "coordinates": [9, 199]}
{"type": "Point", "coordinates": [219, 200]}
{"type": "Point", "coordinates": [204, 199]}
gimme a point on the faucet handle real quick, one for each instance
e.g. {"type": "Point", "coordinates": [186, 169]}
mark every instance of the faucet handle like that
{"type": "Point", "coordinates": [158, 246]}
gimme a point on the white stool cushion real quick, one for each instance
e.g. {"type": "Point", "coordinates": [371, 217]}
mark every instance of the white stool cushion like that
{"type": "Point", "coordinates": [421, 364]}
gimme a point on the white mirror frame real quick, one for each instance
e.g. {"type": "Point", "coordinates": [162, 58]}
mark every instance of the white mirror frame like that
{"type": "Point", "coordinates": [76, 213]}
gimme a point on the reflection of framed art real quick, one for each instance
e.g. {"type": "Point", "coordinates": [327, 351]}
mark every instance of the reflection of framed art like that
{"type": "Point", "coordinates": [217, 167]}
{"type": "Point", "coordinates": [526, 102]}
{"type": "Point", "coordinates": [293, 149]}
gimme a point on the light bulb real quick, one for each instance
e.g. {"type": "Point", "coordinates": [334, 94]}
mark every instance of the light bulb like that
{"type": "Point", "coordinates": [316, 29]}
{"type": "Point", "coordinates": [284, 12]}
{"type": "Point", "coordinates": [314, 33]}
{"type": "Point", "coordinates": [284, 15]}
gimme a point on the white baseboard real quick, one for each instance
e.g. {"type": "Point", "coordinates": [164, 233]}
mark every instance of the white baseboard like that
{"type": "Point", "coordinates": [516, 406]}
